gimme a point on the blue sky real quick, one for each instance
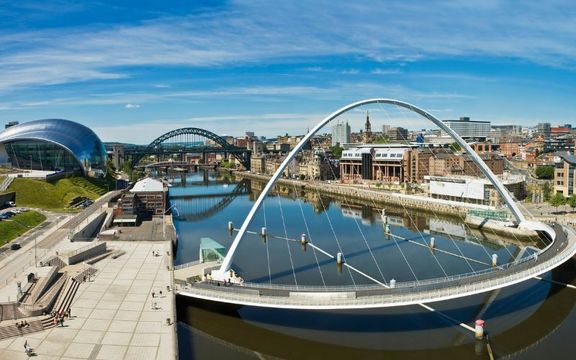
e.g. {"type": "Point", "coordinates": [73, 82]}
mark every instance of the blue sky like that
{"type": "Point", "coordinates": [132, 70]}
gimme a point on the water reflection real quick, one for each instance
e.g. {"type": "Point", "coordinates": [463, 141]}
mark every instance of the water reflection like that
{"type": "Point", "coordinates": [521, 319]}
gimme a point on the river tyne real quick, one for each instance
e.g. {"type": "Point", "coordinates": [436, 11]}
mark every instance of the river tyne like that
{"type": "Point", "coordinates": [531, 320]}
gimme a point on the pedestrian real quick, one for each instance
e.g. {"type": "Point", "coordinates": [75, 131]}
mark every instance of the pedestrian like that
{"type": "Point", "coordinates": [153, 294]}
{"type": "Point", "coordinates": [62, 321]}
{"type": "Point", "coordinates": [26, 345]}
{"type": "Point", "coordinates": [160, 293]}
{"type": "Point", "coordinates": [69, 313]}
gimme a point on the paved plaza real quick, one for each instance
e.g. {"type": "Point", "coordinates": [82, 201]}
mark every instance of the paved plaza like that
{"type": "Point", "coordinates": [114, 316]}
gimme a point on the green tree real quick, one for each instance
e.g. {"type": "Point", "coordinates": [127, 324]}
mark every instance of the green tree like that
{"type": "Point", "coordinates": [383, 139]}
{"type": "Point", "coordinates": [572, 201]}
{"type": "Point", "coordinates": [127, 167]}
{"type": "Point", "coordinates": [337, 151]}
{"type": "Point", "coordinates": [455, 147]}
{"type": "Point", "coordinates": [226, 164]}
{"type": "Point", "coordinates": [544, 172]}
{"type": "Point", "coordinates": [546, 190]}
{"type": "Point", "coordinates": [557, 200]}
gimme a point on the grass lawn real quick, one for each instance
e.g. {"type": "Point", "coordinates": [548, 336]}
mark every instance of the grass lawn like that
{"type": "Point", "coordinates": [57, 195]}
{"type": "Point", "coordinates": [18, 225]}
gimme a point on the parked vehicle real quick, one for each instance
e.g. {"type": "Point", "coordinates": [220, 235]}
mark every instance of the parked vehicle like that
{"type": "Point", "coordinates": [15, 246]}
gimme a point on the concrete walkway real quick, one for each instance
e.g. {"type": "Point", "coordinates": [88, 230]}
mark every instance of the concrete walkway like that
{"type": "Point", "coordinates": [114, 316]}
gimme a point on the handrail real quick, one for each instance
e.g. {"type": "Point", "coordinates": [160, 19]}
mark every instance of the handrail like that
{"type": "Point", "coordinates": [403, 293]}
{"type": "Point", "coordinates": [188, 264]}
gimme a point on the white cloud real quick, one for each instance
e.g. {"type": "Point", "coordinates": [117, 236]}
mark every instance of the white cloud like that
{"type": "Point", "coordinates": [385, 71]}
{"type": "Point", "coordinates": [132, 106]}
{"type": "Point", "coordinates": [282, 31]}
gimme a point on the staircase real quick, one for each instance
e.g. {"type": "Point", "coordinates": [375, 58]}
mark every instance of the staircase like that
{"type": "Point", "coordinates": [64, 301]}
{"type": "Point", "coordinates": [8, 331]}
{"type": "Point", "coordinates": [6, 183]}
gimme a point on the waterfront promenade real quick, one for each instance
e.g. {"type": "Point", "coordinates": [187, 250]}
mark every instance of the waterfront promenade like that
{"type": "Point", "coordinates": [114, 316]}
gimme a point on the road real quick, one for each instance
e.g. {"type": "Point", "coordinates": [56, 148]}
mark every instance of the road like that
{"type": "Point", "coordinates": [43, 238]}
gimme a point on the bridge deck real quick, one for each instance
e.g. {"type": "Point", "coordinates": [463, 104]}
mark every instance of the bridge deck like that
{"type": "Point", "coordinates": [406, 293]}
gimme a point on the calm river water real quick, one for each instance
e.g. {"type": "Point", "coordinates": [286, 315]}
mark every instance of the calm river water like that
{"type": "Point", "coordinates": [531, 320]}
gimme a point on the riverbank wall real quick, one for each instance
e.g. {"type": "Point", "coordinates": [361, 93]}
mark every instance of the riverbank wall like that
{"type": "Point", "coordinates": [413, 202]}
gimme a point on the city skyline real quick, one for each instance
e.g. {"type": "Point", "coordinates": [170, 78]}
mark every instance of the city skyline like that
{"type": "Point", "coordinates": [251, 66]}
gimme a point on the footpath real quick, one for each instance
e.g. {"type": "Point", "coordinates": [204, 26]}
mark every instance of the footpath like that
{"type": "Point", "coordinates": [125, 310]}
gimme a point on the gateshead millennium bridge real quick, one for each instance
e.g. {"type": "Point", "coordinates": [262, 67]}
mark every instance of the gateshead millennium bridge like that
{"type": "Point", "coordinates": [218, 281]}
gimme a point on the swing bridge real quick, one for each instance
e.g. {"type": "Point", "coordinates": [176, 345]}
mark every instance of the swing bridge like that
{"type": "Point", "coordinates": [223, 285]}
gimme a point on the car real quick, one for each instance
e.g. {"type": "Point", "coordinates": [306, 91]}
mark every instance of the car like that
{"type": "Point", "coordinates": [11, 203]}
{"type": "Point", "coordinates": [6, 215]}
{"type": "Point", "coordinates": [15, 246]}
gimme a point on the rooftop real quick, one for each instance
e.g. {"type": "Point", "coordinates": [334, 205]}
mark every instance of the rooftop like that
{"type": "Point", "coordinates": [568, 158]}
{"type": "Point", "coordinates": [148, 185]}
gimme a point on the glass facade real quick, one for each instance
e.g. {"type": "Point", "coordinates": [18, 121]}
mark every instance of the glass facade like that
{"type": "Point", "coordinates": [39, 155]}
{"type": "Point", "coordinates": [54, 145]}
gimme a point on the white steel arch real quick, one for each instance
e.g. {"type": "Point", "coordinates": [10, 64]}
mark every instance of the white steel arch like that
{"type": "Point", "coordinates": [226, 264]}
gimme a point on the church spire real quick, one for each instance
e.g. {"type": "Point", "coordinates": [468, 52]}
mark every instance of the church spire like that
{"type": "Point", "coordinates": [367, 129]}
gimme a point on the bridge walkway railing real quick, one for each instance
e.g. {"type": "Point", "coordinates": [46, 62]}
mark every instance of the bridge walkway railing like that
{"type": "Point", "coordinates": [404, 293]}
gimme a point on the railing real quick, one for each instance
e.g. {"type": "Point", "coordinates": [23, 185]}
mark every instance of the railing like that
{"type": "Point", "coordinates": [405, 284]}
{"type": "Point", "coordinates": [188, 264]}
{"type": "Point", "coordinates": [407, 292]}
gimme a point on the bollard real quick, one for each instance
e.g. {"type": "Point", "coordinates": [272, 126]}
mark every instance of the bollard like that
{"type": "Point", "coordinates": [303, 240]}
{"type": "Point", "coordinates": [479, 329]}
{"type": "Point", "coordinates": [387, 229]}
{"type": "Point", "coordinates": [339, 260]}
{"type": "Point", "coordinates": [494, 260]}
{"type": "Point", "coordinates": [230, 226]}
{"type": "Point", "coordinates": [432, 243]}
{"type": "Point", "coordinates": [263, 231]}
{"type": "Point", "coordinates": [392, 283]}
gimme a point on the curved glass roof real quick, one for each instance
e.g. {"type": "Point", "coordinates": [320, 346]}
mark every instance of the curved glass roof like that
{"type": "Point", "coordinates": [80, 140]}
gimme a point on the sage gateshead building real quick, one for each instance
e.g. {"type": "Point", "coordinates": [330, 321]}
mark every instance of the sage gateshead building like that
{"type": "Point", "coordinates": [53, 145]}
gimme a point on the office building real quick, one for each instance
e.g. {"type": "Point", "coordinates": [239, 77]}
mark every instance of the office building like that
{"type": "Point", "coordinates": [564, 174]}
{"type": "Point", "coordinates": [468, 129]}
{"type": "Point", "coordinates": [340, 134]}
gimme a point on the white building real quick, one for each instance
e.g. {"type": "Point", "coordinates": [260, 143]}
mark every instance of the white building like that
{"type": "Point", "coordinates": [468, 129]}
{"type": "Point", "coordinates": [474, 190]}
{"type": "Point", "coordinates": [340, 134]}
